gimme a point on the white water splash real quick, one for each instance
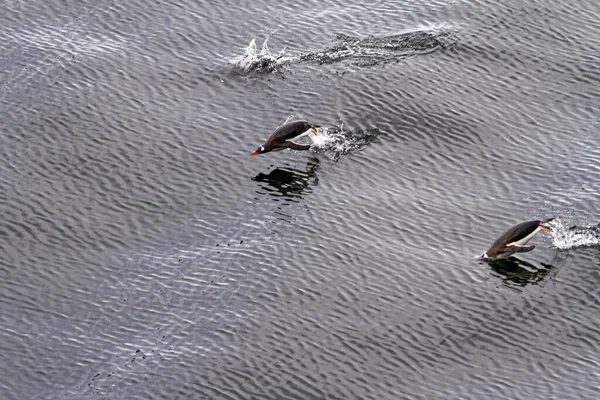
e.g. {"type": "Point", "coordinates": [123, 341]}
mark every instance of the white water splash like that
{"type": "Point", "coordinates": [564, 238]}
{"type": "Point", "coordinates": [336, 142]}
{"type": "Point", "coordinates": [331, 139]}
{"type": "Point", "coordinates": [263, 60]}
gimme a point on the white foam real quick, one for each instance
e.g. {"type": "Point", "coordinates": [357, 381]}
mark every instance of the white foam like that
{"type": "Point", "coordinates": [564, 238]}
{"type": "Point", "coordinates": [253, 59]}
{"type": "Point", "coordinates": [326, 137]}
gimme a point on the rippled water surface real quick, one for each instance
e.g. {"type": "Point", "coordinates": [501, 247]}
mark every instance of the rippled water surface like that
{"type": "Point", "coordinates": [146, 255]}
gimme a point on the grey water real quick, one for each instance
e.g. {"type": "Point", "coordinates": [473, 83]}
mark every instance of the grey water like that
{"type": "Point", "coordinates": [146, 255]}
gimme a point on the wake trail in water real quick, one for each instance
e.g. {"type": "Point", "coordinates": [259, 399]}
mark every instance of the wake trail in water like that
{"type": "Point", "coordinates": [367, 51]}
{"type": "Point", "coordinates": [564, 238]}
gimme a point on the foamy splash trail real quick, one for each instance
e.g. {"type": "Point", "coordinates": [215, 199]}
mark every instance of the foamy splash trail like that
{"type": "Point", "coordinates": [336, 141]}
{"type": "Point", "coordinates": [260, 61]}
{"type": "Point", "coordinates": [564, 238]}
{"type": "Point", "coordinates": [366, 51]}
{"type": "Point", "coordinates": [329, 138]}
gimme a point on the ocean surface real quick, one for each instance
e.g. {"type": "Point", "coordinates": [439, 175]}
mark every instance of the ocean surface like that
{"type": "Point", "coordinates": [145, 255]}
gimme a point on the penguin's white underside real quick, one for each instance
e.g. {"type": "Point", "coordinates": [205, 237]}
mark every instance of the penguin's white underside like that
{"type": "Point", "coordinates": [299, 136]}
{"type": "Point", "coordinates": [518, 243]}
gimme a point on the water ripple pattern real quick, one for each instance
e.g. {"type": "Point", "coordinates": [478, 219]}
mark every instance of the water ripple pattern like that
{"type": "Point", "coordinates": [147, 255]}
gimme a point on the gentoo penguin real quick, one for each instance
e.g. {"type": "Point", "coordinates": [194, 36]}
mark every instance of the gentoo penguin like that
{"type": "Point", "coordinates": [284, 136]}
{"type": "Point", "coordinates": [515, 238]}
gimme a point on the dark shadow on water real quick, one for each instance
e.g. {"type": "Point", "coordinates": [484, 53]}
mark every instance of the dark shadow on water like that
{"type": "Point", "coordinates": [517, 273]}
{"type": "Point", "coordinates": [289, 182]}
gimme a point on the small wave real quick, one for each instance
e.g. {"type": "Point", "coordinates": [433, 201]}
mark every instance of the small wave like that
{"type": "Point", "coordinates": [565, 238]}
{"type": "Point", "coordinates": [260, 61]}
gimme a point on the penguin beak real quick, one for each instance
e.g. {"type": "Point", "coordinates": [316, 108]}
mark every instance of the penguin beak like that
{"type": "Point", "coordinates": [314, 130]}
{"type": "Point", "coordinates": [255, 153]}
{"type": "Point", "coordinates": [545, 228]}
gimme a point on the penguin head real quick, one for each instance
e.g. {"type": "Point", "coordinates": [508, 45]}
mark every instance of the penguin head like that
{"type": "Point", "coordinates": [262, 149]}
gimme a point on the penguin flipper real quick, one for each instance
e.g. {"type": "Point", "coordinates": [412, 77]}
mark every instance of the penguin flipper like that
{"type": "Point", "coordinates": [517, 249]}
{"type": "Point", "coordinates": [296, 146]}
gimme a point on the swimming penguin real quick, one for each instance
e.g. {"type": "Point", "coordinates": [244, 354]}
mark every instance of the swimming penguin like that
{"type": "Point", "coordinates": [284, 137]}
{"type": "Point", "coordinates": [515, 238]}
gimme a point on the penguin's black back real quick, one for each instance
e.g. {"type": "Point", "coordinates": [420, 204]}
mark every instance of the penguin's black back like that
{"type": "Point", "coordinates": [516, 232]}
{"type": "Point", "coordinates": [289, 131]}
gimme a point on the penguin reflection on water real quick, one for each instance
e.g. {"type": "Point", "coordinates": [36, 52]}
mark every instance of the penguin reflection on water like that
{"type": "Point", "coordinates": [284, 137]}
{"type": "Point", "coordinates": [514, 240]}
